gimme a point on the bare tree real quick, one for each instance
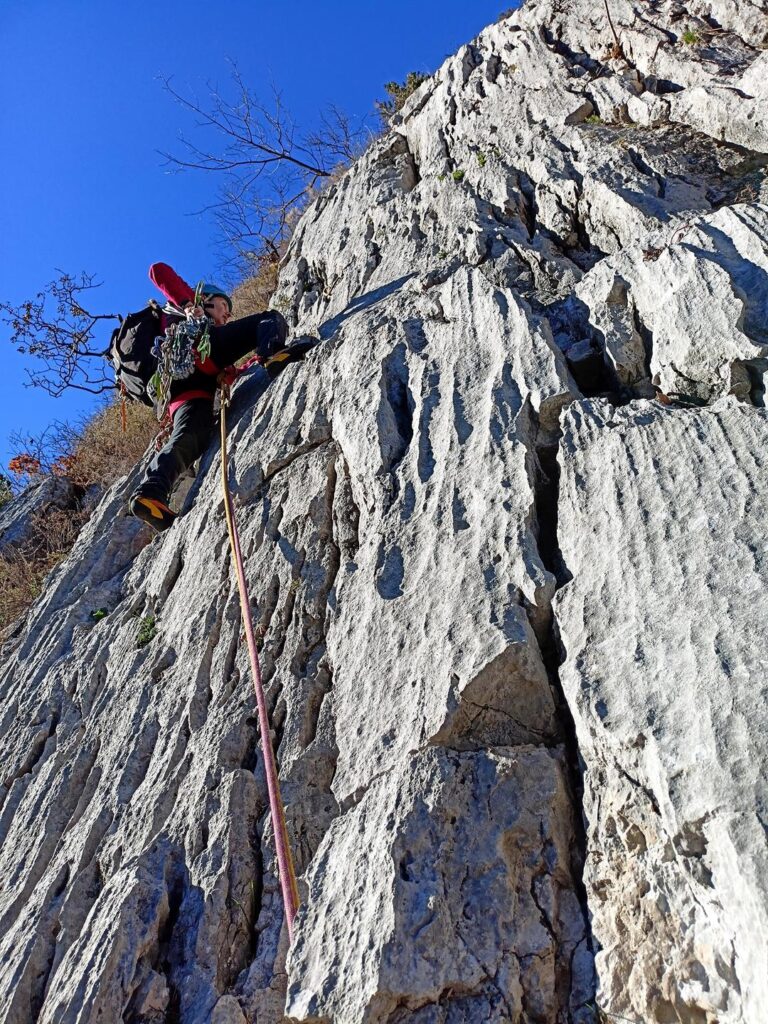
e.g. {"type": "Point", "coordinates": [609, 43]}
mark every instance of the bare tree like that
{"type": "Point", "coordinates": [267, 169]}
{"type": "Point", "coordinates": [57, 330]}
{"type": "Point", "coordinates": [43, 454]}
{"type": "Point", "coordinates": [267, 166]}
{"type": "Point", "coordinates": [336, 139]}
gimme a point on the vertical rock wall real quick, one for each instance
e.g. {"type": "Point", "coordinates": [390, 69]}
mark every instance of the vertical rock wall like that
{"type": "Point", "coordinates": [555, 216]}
{"type": "Point", "coordinates": [664, 671]}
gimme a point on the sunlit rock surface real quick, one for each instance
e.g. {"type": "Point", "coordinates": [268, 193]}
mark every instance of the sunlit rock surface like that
{"type": "Point", "coordinates": [565, 225]}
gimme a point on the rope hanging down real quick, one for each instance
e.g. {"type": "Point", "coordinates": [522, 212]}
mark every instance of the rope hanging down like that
{"type": "Point", "coordinates": [284, 859]}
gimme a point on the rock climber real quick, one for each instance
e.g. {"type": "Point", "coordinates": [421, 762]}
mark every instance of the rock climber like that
{"type": "Point", "coordinates": [190, 405]}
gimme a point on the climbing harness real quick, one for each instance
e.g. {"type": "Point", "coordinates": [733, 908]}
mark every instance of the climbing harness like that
{"type": "Point", "coordinates": [286, 870]}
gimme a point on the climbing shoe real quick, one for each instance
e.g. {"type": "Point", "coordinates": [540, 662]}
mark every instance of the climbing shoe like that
{"type": "Point", "coordinates": [292, 354]}
{"type": "Point", "coordinates": [152, 511]}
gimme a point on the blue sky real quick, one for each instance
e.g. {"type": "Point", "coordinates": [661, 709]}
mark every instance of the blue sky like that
{"type": "Point", "coordinates": [84, 114]}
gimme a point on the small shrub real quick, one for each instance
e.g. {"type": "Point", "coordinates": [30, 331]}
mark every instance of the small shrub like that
{"type": "Point", "coordinates": [398, 93]}
{"type": "Point", "coordinates": [593, 119]}
{"type": "Point", "coordinates": [482, 159]}
{"type": "Point", "coordinates": [458, 175]}
{"type": "Point", "coordinates": [147, 631]}
{"type": "Point", "coordinates": [25, 468]}
{"type": "Point", "coordinates": [691, 37]}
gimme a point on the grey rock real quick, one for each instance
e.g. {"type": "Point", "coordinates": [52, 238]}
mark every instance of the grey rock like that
{"type": "Point", "coordinates": [702, 297]}
{"type": "Point", "coordinates": [461, 895]}
{"type": "Point", "coordinates": [663, 626]}
{"type": "Point", "coordinates": [475, 273]}
{"type": "Point", "coordinates": [227, 1011]}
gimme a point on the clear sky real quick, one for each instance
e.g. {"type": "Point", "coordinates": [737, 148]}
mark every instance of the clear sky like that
{"type": "Point", "coordinates": [84, 114]}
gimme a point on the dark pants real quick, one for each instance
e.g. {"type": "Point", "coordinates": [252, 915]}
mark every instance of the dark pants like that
{"type": "Point", "coordinates": [192, 431]}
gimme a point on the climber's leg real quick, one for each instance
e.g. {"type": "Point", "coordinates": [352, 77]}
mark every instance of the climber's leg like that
{"type": "Point", "coordinates": [192, 430]}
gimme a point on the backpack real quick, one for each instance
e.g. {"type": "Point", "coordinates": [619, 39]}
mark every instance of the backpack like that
{"type": "Point", "coordinates": [130, 352]}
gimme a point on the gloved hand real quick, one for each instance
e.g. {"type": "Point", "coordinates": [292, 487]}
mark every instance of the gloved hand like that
{"type": "Point", "coordinates": [291, 354]}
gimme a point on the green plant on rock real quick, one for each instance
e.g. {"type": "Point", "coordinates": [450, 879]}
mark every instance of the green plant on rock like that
{"type": "Point", "coordinates": [691, 37]}
{"type": "Point", "coordinates": [147, 631]}
{"type": "Point", "coordinates": [458, 175]}
{"type": "Point", "coordinates": [594, 119]}
{"type": "Point", "coordinates": [482, 159]}
{"type": "Point", "coordinates": [398, 93]}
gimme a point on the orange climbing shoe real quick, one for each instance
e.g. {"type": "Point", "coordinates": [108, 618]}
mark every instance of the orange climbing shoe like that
{"type": "Point", "coordinates": [293, 353]}
{"type": "Point", "coordinates": [152, 511]}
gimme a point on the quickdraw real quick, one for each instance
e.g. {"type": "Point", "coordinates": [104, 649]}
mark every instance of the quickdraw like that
{"type": "Point", "coordinates": [177, 350]}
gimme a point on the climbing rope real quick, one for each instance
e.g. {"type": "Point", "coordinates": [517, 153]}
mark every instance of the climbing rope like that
{"type": "Point", "coordinates": [286, 870]}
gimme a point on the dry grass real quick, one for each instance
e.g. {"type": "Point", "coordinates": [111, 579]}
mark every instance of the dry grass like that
{"type": "Point", "coordinates": [22, 573]}
{"type": "Point", "coordinates": [102, 453]}
{"type": "Point", "coordinates": [253, 295]}
{"type": "Point", "coordinates": [95, 453]}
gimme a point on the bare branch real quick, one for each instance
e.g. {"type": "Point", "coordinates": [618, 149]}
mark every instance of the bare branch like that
{"type": "Point", "coordinates": [252, 135]}
{"type": "Point", "coordinates": [268, 169]}
{"type": "Point", "coordinates": [56, 330]}
{"type": "Point", "coordinates": [336, 137]}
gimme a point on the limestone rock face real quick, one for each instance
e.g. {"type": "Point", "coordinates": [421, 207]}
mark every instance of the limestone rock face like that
{"type": "Point", "coordinates": [665, 649]}
{"type": "Point", "coordinates": [465, 893]}
{"type": "Point", "coordinates": [559, 246]}
{"type": "Point", "coordinates": [702, 304]}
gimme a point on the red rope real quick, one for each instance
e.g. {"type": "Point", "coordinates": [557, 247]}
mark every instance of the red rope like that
{"type": "Point", "coordinates": [284, 859]}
